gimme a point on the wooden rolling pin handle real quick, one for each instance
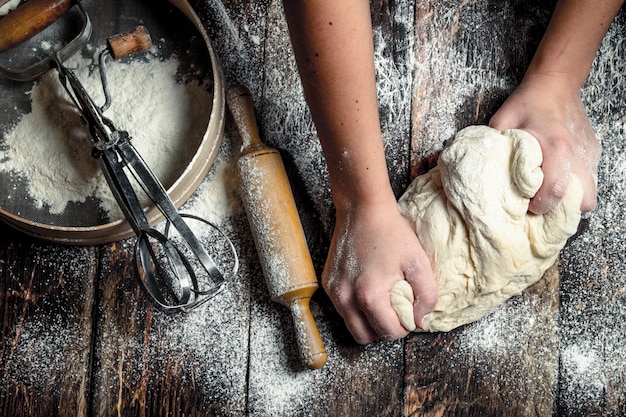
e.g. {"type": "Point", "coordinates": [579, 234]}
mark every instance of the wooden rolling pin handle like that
{"type": "Point", "coordinates": [241, 107]}
{"type": "Point", "coordinates": [29, 19]}
{"type": "Point", "coordinates": [307, 334]}
{"type": "Point", "coordinates": [136, 40]}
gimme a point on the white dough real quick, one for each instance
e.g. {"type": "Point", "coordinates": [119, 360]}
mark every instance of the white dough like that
{"type": "Point", "coordinates": [402, 301]}
{"type": "Point", "coordinates": [471, 216]}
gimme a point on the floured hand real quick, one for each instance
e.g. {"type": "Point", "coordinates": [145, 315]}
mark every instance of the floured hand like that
{"type": "Point", "coordinates": [373, 248]}
{"type": "Point", "coordinates": [547, 108]}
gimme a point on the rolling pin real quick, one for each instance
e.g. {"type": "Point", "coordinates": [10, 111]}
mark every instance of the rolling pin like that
{"type": "Point", "coordinates": [276, 227]}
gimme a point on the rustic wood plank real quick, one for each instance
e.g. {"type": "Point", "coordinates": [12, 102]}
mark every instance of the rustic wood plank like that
{"type": "Point", "coordinates": [46, 309]}
{"type": "Point", "coordinates": [593, 292]}
{"type": "Point", "coordinates": [504, 364]}
{"type": "Point", "coordinates": [469, 57]}
{"type": "Point", "coordinates": [152, 364]}
{"type": "Point", "coordinates": [351, 383]}
{"type": "Point", "coordinates": [148, 363]}
{"type": "Point", "coordinates": [393, 23]}
{"type": "Point", "coordinates": [238, 29]}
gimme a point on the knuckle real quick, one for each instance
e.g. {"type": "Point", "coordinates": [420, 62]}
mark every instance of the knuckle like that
{"type": "Point", "coordinates": [589, 204]}
{"type": "Point", "coordinates": [338, 292]}
{"type": "Point", "coordinates": [561, 146]}
{"type": "Point", "coordinates": [365, 300]}
{"type": "Point", "coordinates": [363, 339]}
{"type": "Point", "coordinates": [340, 296]}
{"type": "Point", "coordinates": [557, 189]}
{"type": "Point", "coordinates": [595, 148]}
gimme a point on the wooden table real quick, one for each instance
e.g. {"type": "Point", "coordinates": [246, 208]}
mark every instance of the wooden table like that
{"type": "Point", "coordinates": [79, 338]}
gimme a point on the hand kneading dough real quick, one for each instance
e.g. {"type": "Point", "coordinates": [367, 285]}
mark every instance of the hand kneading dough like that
{"type": "Point", "coordinates": [471, 216]}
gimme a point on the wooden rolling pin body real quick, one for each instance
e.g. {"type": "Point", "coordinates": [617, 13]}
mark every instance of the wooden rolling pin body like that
{"type": "Point", "coordinates": [276, 228]}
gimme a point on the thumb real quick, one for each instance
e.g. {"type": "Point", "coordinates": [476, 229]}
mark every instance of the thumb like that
{"type": "Point", "coordinates": [426, 294]}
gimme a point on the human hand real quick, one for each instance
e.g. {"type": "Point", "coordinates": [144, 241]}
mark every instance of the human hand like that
{"type": "Point", "coordinates": [549, 107]}
{"type": "Point", "coordinates": [373, 248]}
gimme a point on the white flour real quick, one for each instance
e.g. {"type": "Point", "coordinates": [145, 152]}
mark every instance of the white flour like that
{"type": "Point", "coordinates": [217, 198]}
{"type": "Point", "coordinates": [51, 149]}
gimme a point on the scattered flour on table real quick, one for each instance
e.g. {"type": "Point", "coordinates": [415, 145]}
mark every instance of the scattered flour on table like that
{"type": "Point", "coordinates": [42, 361]}
{"type": "Point", "coordinates": [207, 342]}
{"type": "Point", "coordinates": [505, 331]}
{"type": "Point", "coordinates": [217, 198]}
{"type": "Point", "coordinates": [584, 366]}
{"type": "Point", "coordinates": [592, 325]}
{"type": "Point", "coordinates": [51, 149]}
{"type": "Point", "coordinates": [209, 345]}
{"type": "Point", "coordinates": [280, 386]}
{"type": "Point", "coordinates": [47, 350]}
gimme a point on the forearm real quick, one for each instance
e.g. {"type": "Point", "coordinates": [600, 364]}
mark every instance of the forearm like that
{"type": "Point", "coordinates": [572, 39]}
{"type": "Point", "coordinates": [333, 46]}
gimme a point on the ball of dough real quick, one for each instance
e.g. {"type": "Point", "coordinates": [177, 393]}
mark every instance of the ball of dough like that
{"type": "Point", "coordinates": [471, 216]}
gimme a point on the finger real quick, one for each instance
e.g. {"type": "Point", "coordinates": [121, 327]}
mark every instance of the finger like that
{"type": "Point", "coordinates": [587, 173]}
{"type": "Point", "coordinates": [358, 326]}
{"type": "Point", "coordinates": [503, 120]}
{"type": "Point", "coordinates": [556, 171]}
{"type": "Point", "coordinates": [354, 319]}
{"type": "Point", "coordinates": [383, 318]}
{"type": "Point", "coordinates": [590, 195]}
{"type": "Point", "coordinates": [553, 187]}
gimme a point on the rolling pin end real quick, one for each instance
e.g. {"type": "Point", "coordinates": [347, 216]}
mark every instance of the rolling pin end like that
{"type": "Point", "coordinates": [317, 361]}
{"type": "Point", "coordinates": [308, 336]}
{"type": "Point", "coordinates": [235, 92]}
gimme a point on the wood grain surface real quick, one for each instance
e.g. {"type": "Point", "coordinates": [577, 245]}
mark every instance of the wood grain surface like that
{"type": "Point", "coordinates": [79, 338]}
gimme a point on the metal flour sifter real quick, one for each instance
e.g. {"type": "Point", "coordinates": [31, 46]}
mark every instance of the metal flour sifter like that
{"type": "Point", "coordinates": [172, 265]}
